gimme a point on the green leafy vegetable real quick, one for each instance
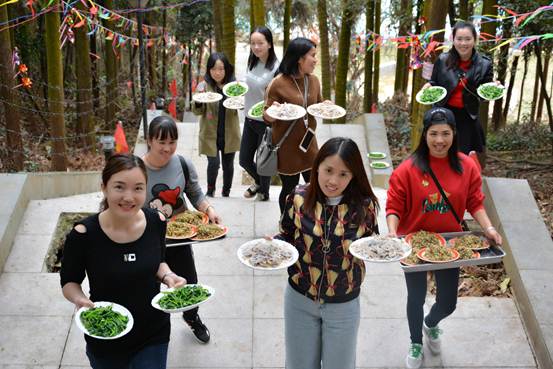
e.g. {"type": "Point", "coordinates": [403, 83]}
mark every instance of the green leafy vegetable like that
{"type": "Point", "coordinates": [236, 89]}
{"type": "Point", "coordinates": [185, 296]}
{"type": "Point", "coordinates": [376, 155]}
{"type": "Point", "coordinates": [379, 165]}
{"type": "Point", "coordinates": [103, 321]}
{"type": "Point", "coordinates": [431, 95]}
{"type": "Point", "coordinates": [490, 92]}
{"type": "Point", "coordinates": [257, 110]}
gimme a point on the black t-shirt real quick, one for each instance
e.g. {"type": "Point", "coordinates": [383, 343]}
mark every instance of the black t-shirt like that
{"type": "Point", "coordinates": [124, 273]}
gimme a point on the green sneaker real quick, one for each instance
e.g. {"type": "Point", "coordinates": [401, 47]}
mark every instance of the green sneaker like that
{"type": "Point", "coordinates": [414, 357]}
{"type": "Point", "coordinates": [432, 337]}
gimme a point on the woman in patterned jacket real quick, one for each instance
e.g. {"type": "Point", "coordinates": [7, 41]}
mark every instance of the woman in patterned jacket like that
{"type": "Point", "coordinates": [321, 219]}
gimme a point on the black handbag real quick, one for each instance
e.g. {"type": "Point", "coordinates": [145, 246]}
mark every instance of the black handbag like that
{"type": "Point", "coordinates": [266, 155]}
{"type": "Point", "coordinates": [462, 222]}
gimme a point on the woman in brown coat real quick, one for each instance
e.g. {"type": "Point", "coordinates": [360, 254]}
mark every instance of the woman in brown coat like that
{"type": "Point", "coordinates": [219, 127]}
{"type": "Point", "coordinates": [295, 84]}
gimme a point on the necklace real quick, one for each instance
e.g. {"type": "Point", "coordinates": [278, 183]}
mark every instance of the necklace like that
{"type": "Point", "coordinates": [326, 245]}
{"type": "Point", "coordinates": [304, 95]}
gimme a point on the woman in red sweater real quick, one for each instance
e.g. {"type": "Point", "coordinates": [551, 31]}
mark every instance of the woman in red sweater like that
{"type": "Point", "coordinates": [414, 203]}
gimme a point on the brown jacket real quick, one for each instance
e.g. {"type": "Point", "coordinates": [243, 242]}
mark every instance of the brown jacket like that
{"type": "Point", "coordinates": [208, 126]}
{"type": "Point", "coordinates": [291, 160]}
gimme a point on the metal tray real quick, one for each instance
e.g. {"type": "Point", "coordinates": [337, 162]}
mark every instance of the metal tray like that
{"type": "Point", "coordinates": [492, 255]}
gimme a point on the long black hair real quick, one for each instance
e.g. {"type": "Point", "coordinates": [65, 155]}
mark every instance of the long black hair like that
{"type": "Point", "coordinates": [272, 58]}
{"type": "Point", "coordinates": [229, 69]}
{"type": "Point", "coordinates": [421, 156]}
{"type": "Point", "coordinates": [453, 56]}
{"type": "Point", "coordinates": [297, 48]}
{"type": "Point", "coordinates": [358, 189]}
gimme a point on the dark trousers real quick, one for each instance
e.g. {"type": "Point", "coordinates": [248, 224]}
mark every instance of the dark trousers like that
{"type": "Point", "coordinates": [181, 261]}
{"type": "Point", "coordinates": [213, 164]}
{"type": "Point", "coordinates": [288, 185]}
{"type": "Point", "coordinates": [251, 138]}
{"type": "Point", "coordinates": [150, 357]}
{"type": "Point", "coordinates": [470, 134]}
{"type": "Point", "coordinates": [447, 281]}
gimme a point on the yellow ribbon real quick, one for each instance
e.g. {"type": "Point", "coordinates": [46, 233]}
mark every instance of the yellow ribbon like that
{"type": "Point", "coordinates": [9, 2]}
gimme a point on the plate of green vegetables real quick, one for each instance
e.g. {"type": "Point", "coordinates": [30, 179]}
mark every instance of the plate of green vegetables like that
{"type": "Point", "coordinates": [176, 300]}
{"type": "Point", "coordinates": [490, 91]}
{"type": "Point", "coordinates": [235, 89]}
{"type": "Point", "coordinates": [430, 95]}
{"type": "Point", "coordinates": [256, 111]}
{"type": "Point", "coordinates": [105, 321]}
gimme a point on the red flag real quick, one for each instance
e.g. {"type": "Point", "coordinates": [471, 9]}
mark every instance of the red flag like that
{"type": "Point", "coordinates": [173, 87]}
{"type": "Point", "coordinates": [173, 108]}
{"type": "Point", "coordinates": [120, 139]}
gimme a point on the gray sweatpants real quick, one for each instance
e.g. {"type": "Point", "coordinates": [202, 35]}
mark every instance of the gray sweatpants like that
{"type": "Point", "coordinates": [319, 335]}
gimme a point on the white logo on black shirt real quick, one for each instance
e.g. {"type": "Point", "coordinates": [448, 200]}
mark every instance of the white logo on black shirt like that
{"type": "Point", "coordinates": [129, 257]}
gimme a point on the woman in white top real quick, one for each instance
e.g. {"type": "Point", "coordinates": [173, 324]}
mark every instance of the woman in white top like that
{"type": "Point", "coordinates": [262, 65]}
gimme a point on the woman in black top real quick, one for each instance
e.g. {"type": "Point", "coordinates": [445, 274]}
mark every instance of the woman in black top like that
{"type": "Point", "coordinates": [122, 251]}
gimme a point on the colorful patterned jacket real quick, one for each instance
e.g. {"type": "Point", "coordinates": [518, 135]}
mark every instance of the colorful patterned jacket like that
{"type": "Point", "coordinates": [339, 278]}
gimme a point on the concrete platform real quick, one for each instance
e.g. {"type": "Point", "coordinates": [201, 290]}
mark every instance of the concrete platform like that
{"type": "Point", "coordinates": [246, 315]}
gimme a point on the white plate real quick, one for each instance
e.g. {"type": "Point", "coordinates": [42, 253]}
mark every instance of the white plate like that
{"type": "Point", "coordinates": [419, 95]}
{"type": "Point", "coordinates": [378, 155]}
{"type": "Point", "coordinates": [225, 88]}
{"type": "Point", "coordinates": [155, 300]}
{"type": "Point", "coordinates": [490, 84]}
{"type": "Point", "coordinates": [232, 100]}
{"type": "Point", "coordinates": [377, 164]}
{"type": "Point", "coordinates": [253, 106]}
{"type": "Point", "coordinates": [116, 307]}
{"type": "Point", "coordinates": [355, 245]}
{"type": "Point", "coordinates": [311, 110]}
{"type": "Point", "coordinates": [281, 243]}
{"type": "Point", "coordinates": [207, 97]}
{"type": "Point", "coordinates": [299, 112]}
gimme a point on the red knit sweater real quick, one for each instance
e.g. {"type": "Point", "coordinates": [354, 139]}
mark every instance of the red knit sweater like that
{"type": "Point", "coordinates": [456, 98]}
{"type": "Point", "coordinates": [416, 200]}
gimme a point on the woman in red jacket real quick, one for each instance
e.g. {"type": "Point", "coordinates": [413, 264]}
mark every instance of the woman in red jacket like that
{"type": "Point", "coordinates": [414, 203]}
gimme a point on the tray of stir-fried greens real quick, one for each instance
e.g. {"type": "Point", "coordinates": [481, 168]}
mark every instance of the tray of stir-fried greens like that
{"type": "Point", "coordinates": [433, 251]}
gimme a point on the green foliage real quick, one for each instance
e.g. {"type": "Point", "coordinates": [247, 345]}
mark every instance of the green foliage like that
{"type": "Point", "coordinates": [195, 24]}
{"type": "Point", "coordinates": [526, 136]}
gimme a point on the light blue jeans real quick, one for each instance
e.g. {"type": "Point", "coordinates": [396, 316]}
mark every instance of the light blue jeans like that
{"type": "Point", "coordinates": [319, 335]}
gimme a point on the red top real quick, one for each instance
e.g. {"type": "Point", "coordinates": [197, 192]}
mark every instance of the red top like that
{"type": "Point", "coordinates": [456, 98]}
{"type": "Point", "coordinates": [416, 200]}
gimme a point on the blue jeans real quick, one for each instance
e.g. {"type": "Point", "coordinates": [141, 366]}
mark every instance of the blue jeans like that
{"type": "Point", "coordinates": [150, 357]}
{"type": "Point", "coordinates": [319, 335]}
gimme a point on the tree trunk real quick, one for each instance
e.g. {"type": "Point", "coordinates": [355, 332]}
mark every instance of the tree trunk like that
{"type": "Point", "coordinates": [343, 55]}
{"type": "Point", "coordinates": [545, 73]}
{"type": "Point", "coordinates": [55, 89]}
{"type": "Point", "coordinates": [132, 68]}
{"type": "Point", "coordinates": [435, 11]}
{"type": "Point", "coordinates": [376, 67]}
{"type": "Point", "coordinates": [94, 71]}
{"type": "Point", "coordinates": [523, 82]}
{"type": "Point", "coordinates": [368, 83]}
{"type": "Point", "coordinates": [535, 95]}
{"type": "Point", "coordinates": [323, 47]}
{"type": "Point", "coordinates": [85, 124]}
{"type": "Point", "coordinates": [8, 96]}
{"type": "Point", "coordinates": [418, 31]}
{"type": "Point", "coordinates": [543, 80]}
{"type": "Point", "coordinates": [490, 28]}
{"type": "Point", "coordinates": [163, 86]}
{"type": "Point", "coordinates": [111, 73]}
{"type": "Point", "coordinates": [497, 115]}
{"type": "Point", "coordinates": [464, 9]}
{"type": "Point", "coordinates": [509, 93]}
{"type": "Point", "coordinates": [402, 56]}
{"type": "Point", "coordinates": [451, 12]}
{"type": "Point", "coordinates": [229, 40]}
{"type": "Point", "coordinates": [258, 12]}
{"type": "Point", "coordinates": [217, 24]}
{"type": "Point", "coordinates": [286, 22]}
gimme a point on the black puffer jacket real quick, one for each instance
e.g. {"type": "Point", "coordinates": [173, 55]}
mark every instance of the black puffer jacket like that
{"type": "Point", "coordinates": [480, 71]}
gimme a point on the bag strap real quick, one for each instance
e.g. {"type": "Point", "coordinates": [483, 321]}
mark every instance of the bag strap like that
{"type": "Point", "coordinates": [286, 134]}
{"type": "Point", "coordinates": [443, 194]}
{"type": "Point", "coordinates": [184, 169]}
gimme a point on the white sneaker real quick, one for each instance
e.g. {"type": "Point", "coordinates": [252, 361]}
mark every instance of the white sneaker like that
{"type": "Point", "coordinates": [432, 338]}
{"type": "Point", "coordinates": [414, 357]}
